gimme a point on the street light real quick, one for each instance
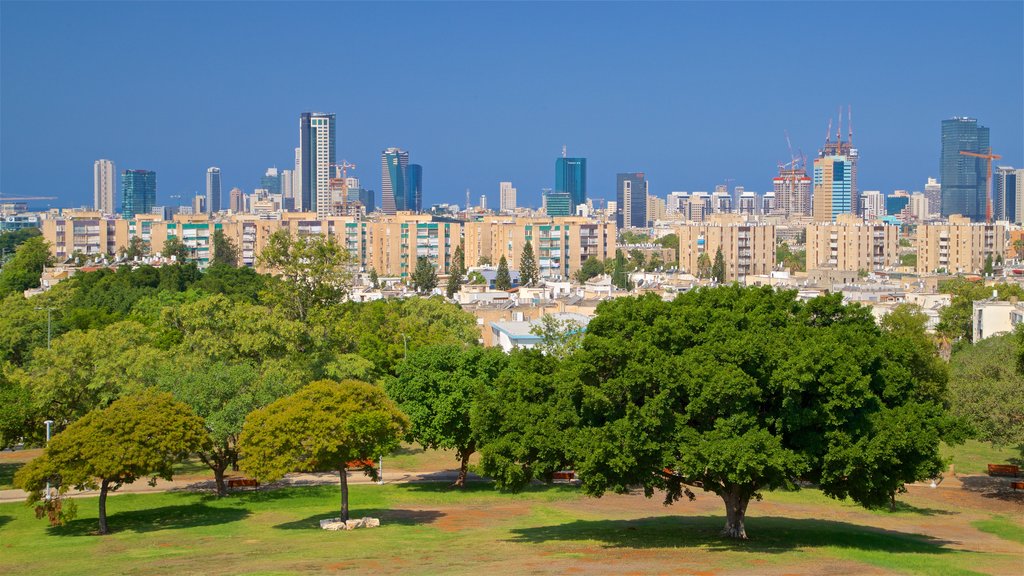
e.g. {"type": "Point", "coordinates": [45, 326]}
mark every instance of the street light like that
{"type": "Point", "coordinates": [48, 424]}
{"type": "Point", "coordinates": [48, 324]}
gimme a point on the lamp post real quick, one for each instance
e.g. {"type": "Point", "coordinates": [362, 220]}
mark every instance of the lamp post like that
{"type": "Point", "coordinates": [48, 324]}
{"type": "Point", "coordinates": [48, 424]}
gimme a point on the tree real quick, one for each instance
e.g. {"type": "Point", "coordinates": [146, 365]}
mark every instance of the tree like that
{"type": "Point", "coordinates": [703, 265]}
{"type": "Point", "coordinates": [476, 278]}
{"type": "Point", "coordinates": [325, 426]}
{"type": "Point", "coordinates": [669, 241]}
{"type": "Point", "coordinates": [734, 390]}
{"type": "Point", "coordinates": [437, 386]}
{"type": "Point", "coordinates": [456, 273]}
{"type": "Point", "coordinates": [137, 248]}
{"type": "Point", "coordinates": [483, 261]}
{"type": "Point", "coordinates": [591, 268]}
{"type": "Point", "coordinates": [637, 259]}
{"type": "Point", "coordinates": [985, 389]}
{"type": "Point", "coordinates": [558, 338]}
{"type": "Point", "coordinates": [176, 249]}
{"type": "Point", "coordinates": [313, 271]}
{"type": "Point", "coordinates": [13, 238]}
{"type": "Point", "coordinates": [136, 436]}
{"type": "Point", "coordinates": [224, 249]}
{"type": "Point", "coordinates": [503, 281]}
{"type": "Point", "coordinates": [374, 279]}
{"type": "Point", "coordinates": [955, 320]}
{"type": "Point", "coordinates": [25, 268]}
{"type": "Point", "coordinates": [987, 270]}
{"type": "Point", "coordinates": [528, 275]}
{"type": "Point", "coordinates": [654, 262]}
{"type": "Point", "coordinates": [718, 268]}
{"type": "Point", "coordinates": [424, 277]}
{"type": "Point", "coordinates": [620, 277]}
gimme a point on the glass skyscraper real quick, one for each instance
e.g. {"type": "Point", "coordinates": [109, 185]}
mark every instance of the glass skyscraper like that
{"type": "Point", "coordinates": [963, 177]}
{"type": "Point", "coordinates": [138, 192]}
{"type": "Point", "coordinates": [316, 157]}
{"type": "Point", "coordinates": [631, 200]}
{"type": "Point", "coordinates": [414, 188]}
{"type": "Point", "coordinates": [213, 190]}
{"type": "Point", "coordinates": [394, 165]}
{"type": "Point", "coordinates": [833, 188]}
{"type": "Point", "coordinates": [571, 177]}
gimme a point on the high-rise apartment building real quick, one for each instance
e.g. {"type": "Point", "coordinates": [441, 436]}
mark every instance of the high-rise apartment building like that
{"type": "Point", "coordinates": [963, 177]}
{"type": "Point", "coordinates": [138, 192]}
{"type": "Point", "coordinates": [414, 188]}
{"type": "Point", "coordinates": [237, 201]}
{"type": "Point", "coordinates": [872, 204]}
{"type": "Point", "coordinates": [792, 189]}
{"type": "Point", "coordinates": [317, 133]}
{"type": "Point", "coordinates": [958, 245]}
{"type": "Point", "coordinates": [833, 187]}
{"type": "Point", "coordinates": [212, 190]}
{"type": "Point", "coordinates": [748, 248]}
{"type": "Point", "coordinates": [394, 163]}
{"type": "Point", "coordinates": [103, 186]}
{"type": "Point", "coordinates": [507, 194]}
{"type": "Point", "coordinates": [571, 177]}
{"type": "Point", "coordinates": [919, 208]}
{"type": "Point", "coordinates": [631, 200]}
{"type": "Point", "coordinates": [655, 209]}
{"type": "Point", "coordinates": [557, 203]}
{"type": "Point", "coordinates": [1004, 194]}
{"type": "Point", "coordinates": [851, 156]}
{"type": "Point", "coordinates": [851, 244]}
{"type": "Point", "coordinates": [933, 191]}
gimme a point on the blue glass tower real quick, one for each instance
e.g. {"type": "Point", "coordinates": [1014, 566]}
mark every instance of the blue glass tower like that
{"type": "Point", "coordinates": [414, 188]}
{"type": "Point", "coordinates": [394, 164]}
{"type": "Point", "coordinates": [631, 200]}
{"type": "Point", "coordinates": [138, 192]}
{"type": "Point", "coordinates": [963, 177]}
{"type": "Point", "coordinates": [571, 177]}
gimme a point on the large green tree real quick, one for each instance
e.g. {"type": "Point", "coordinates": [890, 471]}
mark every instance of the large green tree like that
{"type": "Point", "coordinates": [620, 275]}
{"type": "Point", "coordinates": [590, 268]}
{"type": "Point", "coordinates": [988, 391]}
{"type": "Point", "coordinates": [12, 239]}
{"type": "Point", "coordinates": [325, 426]}
{"type": "Point", "coordinates": [175, 248]}
{"type": "Point", "coordinates": [503, 280]}
{"type": "Point", "coordinates": [137, 436]}
{"type": "Point", "coordinates": [225, 251]}
{"type": "Point", "coordinates": [314, 271]}
{"type": "Point", "coordinates": [718, 267]}
{"type": "Point", "coordinates": [23, 270]}
{"type": "Point", "coordinates": [437, 386]}
{"type": "Point", "coordinates": [424, 277]}
{"type": "Point", "coordinates": [457, 271]}
{"type": "Point", "coordinates": [736, 391]}
{"type": "Point", "coordinates": [528, 274]}
{"type": "Point", "coordinates": [955, 320]}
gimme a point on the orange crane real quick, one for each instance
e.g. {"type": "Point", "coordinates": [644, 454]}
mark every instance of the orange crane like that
{"type": "Point", "coordinates": [988, 179]}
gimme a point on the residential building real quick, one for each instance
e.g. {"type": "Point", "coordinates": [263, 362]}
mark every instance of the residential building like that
{"type": "Point", "coordinates": [792, 188]}
{"type": "Point", "coordinates": [85, 232]}
{"type": "Point", "coordinates": [507, 197]}
{"type": "Point", "coordinates": [557, 203]}
{"type": "Point", "coordinates": [237, 201]}
{"type": "Point", "coordinates": [287, 178]}
{"type": "Point", "coordinates": [317, 134]}
{"type": "Point", "coordinates": [852, 244]}
{"type": "Point", "coordinates": [213, 190]}
{"type": "Point", "coordinates": [698, 208]}
{"type": "Point", "coordinates": [747, 203]}
{"type": "Point", "coordinates": [748, 248]}
{"type": "Point", "coordinates": [571, 178]}
{"type": "Point", "coordinates": [138, 192]}
{"type": "Point", "coordinates": [655, 209]}
{"type": "Point", "coordinates": [394, 163]}
{"type": "Point", "coordinates": [963, 178]}
{"type": "Point", "coordinates": [103, 181]}
{"type": "Point", "coordinates": [833, 187]}
{"type": "Point", "coordinates": [872, 204]}
{"type": "Point", "coordinates": [919, 207]}
{"type": "Point", "coordinates": [958, 245]}
{"type": "Point", "coordinates": [769, 203]}
{"type": "Point", "coordinates": [631, 200]}
{"type": "Point", "coordinates": [993, 317]}
{"type": "Point", "coordinates": [1004, 194]}
{"type": "Point", "coordinates": [198, 204]}
{"type": "Point", "coordinates": [933, 191]}
{"type": "Point", "coordinates": [518, 333]}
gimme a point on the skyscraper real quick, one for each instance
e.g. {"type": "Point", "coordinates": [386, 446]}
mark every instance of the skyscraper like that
{"type": "Point", "coordinates": [571, 177]}
{"type": "Point", "coordinates": [212, 190]}
{"type": "Point", "coordinates": [414, 188]}
{"type": "Point", "coordinates": [850, 154]}
{"type": "Point", "coordinates": [963, 177]}
{"type": "Point", "coordinates": [792, 189]}
{"type": "Point", "coordinates": [933, 192]}
{"type": "Point", "coordinates": [316, 156]}
{"type": "Point", "coordinates": [103, 186]}
{"type": "Point", "coordinates": [631, 200]}
{"type": "Point", "coordinates": [507, 194]}
{"type": "Point", "coordinates": [1004, 194]}
{"type": "Point", "coordinates": [271, 181]}
{"type": "Point", "coordinates": [237, 201]}
{"type": "Point", "coordinates": [138, 192]}
{"type": "Point", "coordinates": [394, 163]}
{"type": "Point", "coordinates": [833, 196]}
{"type": "Point", "coordinates": [557, 203]}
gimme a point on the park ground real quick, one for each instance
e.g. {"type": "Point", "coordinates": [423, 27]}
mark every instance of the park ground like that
{"type": "Point", "coordinates": [962, 527]}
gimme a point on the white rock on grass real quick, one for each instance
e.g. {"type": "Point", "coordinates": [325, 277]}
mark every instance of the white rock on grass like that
{"type": "Point", "coordinates": [337, 524]}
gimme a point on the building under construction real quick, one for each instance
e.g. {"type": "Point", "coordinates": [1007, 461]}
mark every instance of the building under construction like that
{"type": "Point", "coordinates": [839, 193]}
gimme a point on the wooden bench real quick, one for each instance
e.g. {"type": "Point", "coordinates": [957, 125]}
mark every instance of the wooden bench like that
{"type": "Point", "coordinates": [243, 483]}
{"type": "Point", "coordinates": [1018, 485]}
{"type": "Point", "coordinates": [1004, 470]}
{"type": "Point", "coordinates": [564, 475]}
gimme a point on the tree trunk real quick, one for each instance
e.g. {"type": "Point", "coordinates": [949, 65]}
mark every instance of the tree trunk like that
{"type": "Point", "coordinates": [218, 477]}
{"type": "Point", "coordinates": [464, 455]}
{"type": "Point", "coordinates": [343, 474]}
{"type": "Point", "coordinates": [735, 511]}
{"type": "Point", "coordinates": [104, 485]}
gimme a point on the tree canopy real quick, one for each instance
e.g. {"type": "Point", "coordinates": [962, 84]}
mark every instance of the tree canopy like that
{"type": "Point", "coordinates": [424, 277]}
{"type": "Point", "coordinates": [718, 267]}
{"type": "Point", "coordinates": [987, 390]}
{"type": "Point", "coordinates": [325, 426]}
{"type": "Point", "coordinates": [136, 436]}
{"type": "Point", "coordinates": [503, 280]}
{"type": "Point", "coordinates": [590, 268]}
{"type": "Point", "coordinates": [313, 271]}
{"type": "Point", "coordinates": [224, 249]}
{"type": "Point", "coordinates": [528, 274]}
{"type": "Point", "coordinates": [23, 270]}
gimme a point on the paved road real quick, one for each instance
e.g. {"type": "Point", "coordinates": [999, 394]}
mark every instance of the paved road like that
{"type": "Point", "coordinates": [142, 486]}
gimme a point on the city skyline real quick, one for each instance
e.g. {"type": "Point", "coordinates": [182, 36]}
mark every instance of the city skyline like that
{"type": "Point", "coordinates": [700, 120]}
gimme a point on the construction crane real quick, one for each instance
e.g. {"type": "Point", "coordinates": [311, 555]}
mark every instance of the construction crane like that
{"type": "Point", "coordinates": [988, 179]}
{"type": "Point", "coordinates": [344, 166]}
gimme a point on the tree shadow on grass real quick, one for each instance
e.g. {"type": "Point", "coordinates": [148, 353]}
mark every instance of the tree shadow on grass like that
{"type": "Point", "coordinates": [163, 518]}
{"type": "Point", "coordinates": [911, 509]}
{"type": "Point", "coordinates": [481, 486]}
{"type": "Point", "coordinates": [997, 487]}
{"type": "Point", "coordinates": [5, 519]}
{"type": "Point", "coordinates": [387, 516]}
{"type": "Point", "coordinates": [7, 470]}
{"type": "Point", "coordinates": [767, 535]}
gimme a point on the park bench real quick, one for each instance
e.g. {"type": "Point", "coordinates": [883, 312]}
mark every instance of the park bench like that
{"type": "Point", "coordinates": [1017, 485]}
{"type": "Point", "coordinates": [243, 482]}
{"type": "Point", "coordinates": [1003, 470]}
{"type": "Point", "coordinates": [564, 475]}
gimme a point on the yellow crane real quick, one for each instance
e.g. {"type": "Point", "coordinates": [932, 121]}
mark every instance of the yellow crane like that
{"type": "Point", "coordinates": [988, 179]}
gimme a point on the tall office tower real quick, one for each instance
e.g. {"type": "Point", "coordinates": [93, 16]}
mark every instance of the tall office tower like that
{"type": "Point", "coordinates": [832, 188]}
{"type": "Point", "coordinates": [1004, 194]}
{"type": "Point", "coordinates": [655, 209]}
{"type": "Point", "coordinates": [571, 177]}
{"type": "Point", "coordinates": [297, 181]}
{"type": "Point", "coordinates": [394, 163]}
{"type": "Point", "coordinates": [1019, 198]}
{"type": "Point", "coordinates": [271, 181]}
{"type": "Point", "coordinates": [237, 201]}
{"type": "Point", "coordinates": [631, 200]}
{"type": "Point", "coordinates": [847, 151]}
{"type": "Point", "coordinates": [872, 204]}
{"type": "Point", "coordinates": [933, 191]}
{"type": "Point", "coordinates": [287, 190]}
{"type": "Point", "coordinates": [103, 186]}
{"type": "Point", "coordinates": [963, 177]}
{"type": "Point", "coordinates": [138, 192]}
{"type": "Point", "coordinates": [212, 190]}
{"type": "Point", "coordinates": [557, 203]}
{"type": "Point", "coordinates": [507, 193]}
{"type": "Point", "coordinates": [414, 188]}
{"type": "Point", "coordinates": [483, 203]}
{"type": "Point", "coordinates": [316, 142]}
{"type": "Point", "coordinates": [792, 189]}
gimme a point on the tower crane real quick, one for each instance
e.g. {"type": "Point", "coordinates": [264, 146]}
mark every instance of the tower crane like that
{"type": "Point", "coordinates": [344, 166]}
{"type": "Point", "coordinates": [988, 179]}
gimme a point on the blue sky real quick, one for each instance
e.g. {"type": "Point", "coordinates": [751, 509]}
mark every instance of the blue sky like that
{"type": "Point", "coordinates": [691, 93]}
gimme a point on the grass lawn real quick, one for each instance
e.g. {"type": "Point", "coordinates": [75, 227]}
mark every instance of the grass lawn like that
{"type": "Point", "coordinates": [430, 529]}
{"type": "Point", "coordinates": [973, 457]}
